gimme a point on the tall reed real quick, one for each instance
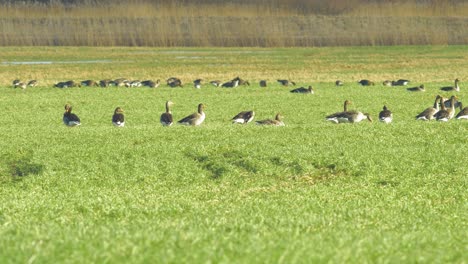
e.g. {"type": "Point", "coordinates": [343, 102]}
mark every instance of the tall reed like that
{"type": "Point", "coordinates": [233, 23]}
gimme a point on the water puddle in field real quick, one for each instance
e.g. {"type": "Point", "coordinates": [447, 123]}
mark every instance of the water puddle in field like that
{"type": "Point", "coordinates": [54, 62]}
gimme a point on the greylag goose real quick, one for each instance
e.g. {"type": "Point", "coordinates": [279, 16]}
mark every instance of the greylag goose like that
{"type": "Point", "coordinates": [309, 90]}
{"type": "Point", "coordinates": [428, 113]}
{"type": "Point", "coordinates": [385, 115]}
{"type": "Point", "coordinates": [419, 88]}
{"type": "Point", "coordinates": [272, 122]}
{"type": "Point", "coordinates": [243, 117]}
{"type": "Point", "coordinates": [194, 119]}
{"type": "Point", "coordinates": [455, 88]}
{"type": "Point", "coordinates": [166, 117]}
{"type": "Point", "coordinates": [118, 118]}
{"type": "Point", "coordinates": [69, 118]}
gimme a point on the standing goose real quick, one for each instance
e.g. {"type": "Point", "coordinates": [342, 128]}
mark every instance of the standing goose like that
{"type": "Point", "coordinates": [69, 118]}
{"type": "Point", "coordinates": [194, 119]}
{"type": "Point", "coordinates": [443, 115]}
{"type": "Point", "coordinates": [385, 115]}
{"type": "Point", "coordinates": [463, 114]}
{"type": "Point", "coordinates": [309, 90]}
{"type": "Point", "coordinates": [243, 117]}
{"type": "Point", "coordinates": [272, 122]}
{"type": "Point", "coordinates": [428, 113]}
{"type": "Point", "coordinates": [118, 118]}
{"type": "Point", "coordinates": [455, 88]}
{"type": "Point", "coordinates": [166, 117]}
{"type": "Point", "coordinates": [420, 88]}
{"type": "Point", "coordinates": [334, 117]}
{"type": "Point", "coordinates": [451, 109]}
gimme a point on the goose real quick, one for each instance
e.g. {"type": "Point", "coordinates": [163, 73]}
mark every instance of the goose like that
{"type": "Point", "coordinates": [455, 88]}
{"type": "Point", "coordinates": [417, 89]}
{"type": "Point", "coordinates": [72, 83]}
{"type": "Point", "coordinates": [443, 115]}
{"type": "Point", "coordinates": [135, 83]}
{"type": "Point", "coordinates": [339, 83]}
{"type": "Point", "coordinates": [105, 83]}
{"type": "Point", "coordinates": [197, 83]}
{"type": "Point", "coordinates": [286, 82]}
{"type": "Point", "coordinates": [216, 83]}
{"type": "Point", "coordinates": [400, 82]}
{"type": "Point", "coordinates": [387, 83]}
{"type": "Point", "coordinates": [166, 117]}
{"type": "Point", "coordinates": [451, 109]}
{"type": "Point", "coordinates": [32, 83]}
{"type": "Point", "coordinates": [463, 114]}
{"type": "Point", "coordinates": [60, 85]}
{"type": "Point", "coordinates": [118, 118]}
{"type": "Point", "coordinates": [21, 85]}
{"type": "Point", "coordinates": [385, 115]}
{"type": "Point", "coordinates": [120, 82]}
{"type": "Point", "coordinates": [194, 119]}
{"type": "Point", "coordinates": [89, 83]}
{"type": "Point", "coordinates": [15, 82]}
{"type": "Point", "coordinates": [334, 117]}
{"type": "Point", "coordinates": [447, 102]}
{"type": "Point", "coordinates": [309, 90]}
{"type": "Point", "coordinates": [231, 84]}
{"type": "Point", "coordinates": [366, 83]}
{"type": "Point", "coordinates": [241, 81]}
{"type": "Point", "coordinates": [172, 79]}
{"type": "Point", "coordinates": [351, 117]}
{"type": "Point", "coordinates": [70, 119]}
{"type": "Point", "coordinates": [175, 83]}
{"type": "Point", "coordinates": [243, 117]}
{"type": "Point", "coordinates": [428, 113]}
{"type": "Point", "coordinates": [151, 84]}
{"type": "Point", "coordinates": [272, 122]}
{"type": "Point", "coordinates": [263, 83]}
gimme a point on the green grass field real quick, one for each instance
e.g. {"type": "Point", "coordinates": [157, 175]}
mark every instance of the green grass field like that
{"type": "Point", "coordinates": [309, 192]}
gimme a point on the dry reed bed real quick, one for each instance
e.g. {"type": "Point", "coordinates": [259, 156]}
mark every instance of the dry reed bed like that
{"type": "Point", "coordinates": [263, 24]}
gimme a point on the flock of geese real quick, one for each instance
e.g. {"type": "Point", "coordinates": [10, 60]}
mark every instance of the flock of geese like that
{"type": "Point", "coordinates": [443, 109]}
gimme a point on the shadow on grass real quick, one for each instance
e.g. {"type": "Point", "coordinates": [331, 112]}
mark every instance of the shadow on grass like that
{"type": "Point", "coordinates": [19, 164]}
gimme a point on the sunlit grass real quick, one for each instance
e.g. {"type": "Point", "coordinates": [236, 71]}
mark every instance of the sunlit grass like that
{"type": "Point", "coordinates": [311, 191]}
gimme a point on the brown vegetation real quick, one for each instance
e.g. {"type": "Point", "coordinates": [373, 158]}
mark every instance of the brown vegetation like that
{"type": "Point", "coordinates": [234, 23]}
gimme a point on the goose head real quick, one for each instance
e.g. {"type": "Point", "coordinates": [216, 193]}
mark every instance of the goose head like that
{"type": "Point", "coordinates": [68, 108]}
{"type": "Point", "coordinates": [346, 103]}
{"type": "Point", "coordinates": [118, 110]}
{"type": "Point", "coordinates": [201, 107]}
{"type": "Point", "coordinates": [279, 117]}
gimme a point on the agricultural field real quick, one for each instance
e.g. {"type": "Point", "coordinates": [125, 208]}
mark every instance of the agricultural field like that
{"type": "Point", "coordinates": [309, 192]}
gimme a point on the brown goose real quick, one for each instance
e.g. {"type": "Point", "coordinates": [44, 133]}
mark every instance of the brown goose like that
{"type": "Point", "coordinates": [463, 114]}
{"type": "Point", "coordinates": [286, 82]}
{"type": "Point", "coordinates": [385, 115]}
{"type": "Point", "coordinates": [166, 117]}
{"type": "Point", "coordinates": [243, 117]}
{"type": "Point", "coordinates": [32, 83]}
{"type": "Point", "coordinates": [419, 88]}
{"type": "Point", "coordinates": [334, 117]}
{"type": "Point", "coordinates": [118, 118]}
{"type": "Point", "coordinates": [194, 119]}
{"type": "Point", "coordinates": [272, 122]}
{"type": "Point", "coordinates": [309, 90]}
{"type": "Point", "coordinates": [428, 113]}
{"type": "Point", "coordinates": [443, 114]}
{"type": "Point", "coordinates": [455, 88]}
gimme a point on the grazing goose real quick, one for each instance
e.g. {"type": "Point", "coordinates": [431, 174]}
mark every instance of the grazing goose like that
{"type": "Point", "coordinates": [231, 84]}
{"type": "Point", "coordinates": [417, 89]}
{"type": "Point", "coordinates": [387, 83]}
{"type": "Point", "coordinates": [366, 83]}
{"type": "Point", "coordinates": [194, 119]}
{"type": "Point", "coordinates": [151, 84]}
{"type": "Point", "coordinates": [443, 114]}
{"type": "Point", "coordinates": [385, 115]}
{"type": "Point", "coordinates": [21, 85]}
{"type": "Point", "coordinates": [339, 83]}
{"type": "Point", "coordinates": [286, 82]}
{"type": "Point", "coordinates": [166, 117]}
{"type": "Point", "coordinates": [334, 117]}
{"type": "Point", "coordinates": [174, 82]}
{"type": "Point", "coordinates": [197, 83]}
{"type": "Point", "coordinates": [428, 113]}
{"type": "Point", "coordinates": [243, 117]}
{"type": "Point", "coordinates": [118, 118]}
{"type": "Point", "coordinates": [263, 83]}
{"type": "Point", "coordinates": [216, 83]}
{"type": "Point", "coordinates": [272, 122]}
{"type": "Point", "coordinates": [309, 90]}
{"type": "Point", "coordinates": [400, 82]}
{"type": "Point", "coordinates": [69, 118]}
{"type": "Point", "coordinates": [463, 114]}
{"type": "Point", "coordinates": [89, 83]}
{"type": "Point", "coordinates": [32, 83]}
{"type": "Point", "coordinates": [455, 88]}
